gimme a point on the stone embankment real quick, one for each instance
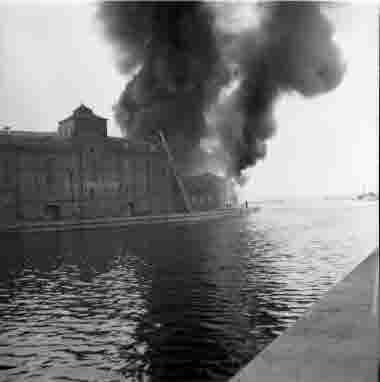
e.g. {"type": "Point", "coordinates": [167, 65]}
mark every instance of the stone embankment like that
{"type": "Point", "coordinates": [66, 225]}
{"type": "Point", "coordinates": [336, 341]}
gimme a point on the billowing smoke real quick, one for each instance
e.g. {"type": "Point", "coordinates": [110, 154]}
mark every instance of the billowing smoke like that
{"type": "Point", "coordinates": [210, 80]}
{"type": "Point", "coordinates": [292, 50]}
{"type": "Point", "coordinates": [173, 49]}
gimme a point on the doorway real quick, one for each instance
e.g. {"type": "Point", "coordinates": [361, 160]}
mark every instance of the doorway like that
{"type": "Point", "coordinates": [131, 209]}
{"type": "Point", "coordinates": [52, 212]}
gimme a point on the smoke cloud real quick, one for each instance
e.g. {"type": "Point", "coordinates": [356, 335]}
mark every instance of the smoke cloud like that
{"type": "Point", "coordinates": [173, 49]}
{"type": "Point", "coordinates": [208, 74]}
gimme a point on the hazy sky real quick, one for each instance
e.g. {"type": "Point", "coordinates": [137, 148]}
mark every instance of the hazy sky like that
{"type": "Point", "coordinates": [53, 57]}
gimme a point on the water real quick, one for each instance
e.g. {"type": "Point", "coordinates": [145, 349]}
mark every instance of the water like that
{"type": "Point", "coordinates": [170, 303]}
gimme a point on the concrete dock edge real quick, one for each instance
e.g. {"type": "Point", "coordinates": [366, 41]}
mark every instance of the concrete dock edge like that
{"type": "Point", "coordinates": [336, 341]}
{"type": "Point", "coordinates": [119, 222]}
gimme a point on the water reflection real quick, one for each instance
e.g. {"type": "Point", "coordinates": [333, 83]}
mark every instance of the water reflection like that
{"type": "Point", "coordinates": [193, 326]}
{"type": "Point", "coordinates": [189, 303]}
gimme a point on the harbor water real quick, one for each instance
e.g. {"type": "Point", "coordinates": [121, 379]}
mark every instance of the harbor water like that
{"type": "Point", "coordinates": [181, 302]}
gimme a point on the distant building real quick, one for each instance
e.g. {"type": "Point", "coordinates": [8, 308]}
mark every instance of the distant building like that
{"type": "Point", "coordinates": [80, 172]}
{"type": "Point", "coordinates": [209, 191]}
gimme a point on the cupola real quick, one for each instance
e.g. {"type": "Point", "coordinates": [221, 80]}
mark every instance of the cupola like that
{"type": "Point", "coordinates": [83, 122]}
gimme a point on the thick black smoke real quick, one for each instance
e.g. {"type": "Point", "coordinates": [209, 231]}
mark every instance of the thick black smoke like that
{"type": "Point", "coordinates": [173, 48]}
{"type": "Point", "coordinates": [292, 50]}
{"type": "Point", "coordinates": [182, 58]}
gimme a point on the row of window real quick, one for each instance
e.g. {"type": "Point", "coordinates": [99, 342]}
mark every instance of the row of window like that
{"type": "Point", "coordinates": [119, 187]}
{"type": "Point", "coordinates": [51, 177]}
{"type": "Point", "coordinates": [37, 182]}
{"type": "Point", "coordinates": [202, 199]}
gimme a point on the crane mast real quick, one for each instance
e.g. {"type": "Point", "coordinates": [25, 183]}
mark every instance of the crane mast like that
{"type": "Point", "coordinates": [177, 176]}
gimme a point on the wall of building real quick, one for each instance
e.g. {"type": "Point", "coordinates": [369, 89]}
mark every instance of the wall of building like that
{"type": "Point", "coordinates": [207, 192]}
{"type": "Point", "coordinates": [47, 183]}
{"type": "Point", "coordinates": [8, 184]}
{"type": "Point", "coordinates": [79, 172]}
{"type": "Point", "coordinates": [83, 179]}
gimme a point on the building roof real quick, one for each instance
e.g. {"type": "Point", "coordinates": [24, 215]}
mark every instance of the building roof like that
{"type": "Point", "coordinates": [53, 140]}
{"type": "Point", "coordinates": [31, 134]}
{"type": "Point", "coordinates": [82, 111]}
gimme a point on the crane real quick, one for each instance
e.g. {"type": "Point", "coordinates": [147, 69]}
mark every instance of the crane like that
{"type": "Point", "coordinates": [177, 176]}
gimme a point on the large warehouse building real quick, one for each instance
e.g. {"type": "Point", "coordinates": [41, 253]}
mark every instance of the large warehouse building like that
{"type": "Point", "coordinates": [80, 172]}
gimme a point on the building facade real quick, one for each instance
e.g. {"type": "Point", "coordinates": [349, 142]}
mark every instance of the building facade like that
{"type": "Point", "coordinates": [80, 172]}
{"type": "Point", "coordinates": [208, 191]}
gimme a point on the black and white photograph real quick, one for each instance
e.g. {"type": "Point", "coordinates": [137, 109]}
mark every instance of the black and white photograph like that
{"type": "Point", "coordinates": [189, 191]}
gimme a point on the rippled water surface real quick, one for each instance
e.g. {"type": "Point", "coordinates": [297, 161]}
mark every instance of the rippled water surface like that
{"type": "Point", "coordinates": [170, 303]}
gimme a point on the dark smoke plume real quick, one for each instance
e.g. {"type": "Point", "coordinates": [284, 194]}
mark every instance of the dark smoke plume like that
{"type": "Point", "coordinates": [184, 60]}
{"type": "Point", "coordinates": [293, 50]}
{"type": "Point", "coordinates": [173, 48]}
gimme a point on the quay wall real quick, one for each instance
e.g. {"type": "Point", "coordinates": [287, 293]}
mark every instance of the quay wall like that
{"type": "Point", "coordinates": [67, 225]}
{"type": "Point", "coordinates": [336, 341]}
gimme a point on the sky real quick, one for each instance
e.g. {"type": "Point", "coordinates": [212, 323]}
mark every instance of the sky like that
{"type": "Point", "coordinates": [54, 57]}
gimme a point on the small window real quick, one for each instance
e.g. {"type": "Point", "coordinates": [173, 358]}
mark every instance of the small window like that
{"type": "Point", "coordinates": [37, 182]}
{"type": "Point", "coordinates": [92, 193]}
{"type": "Point", "coordinates": [51, 176]}
{"type": "Point", "coordinates": [148, 170]}
{"type": "Point", "coordinates": [7, 172]}
{"type": "Point", "coordinates": [92, 150]}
